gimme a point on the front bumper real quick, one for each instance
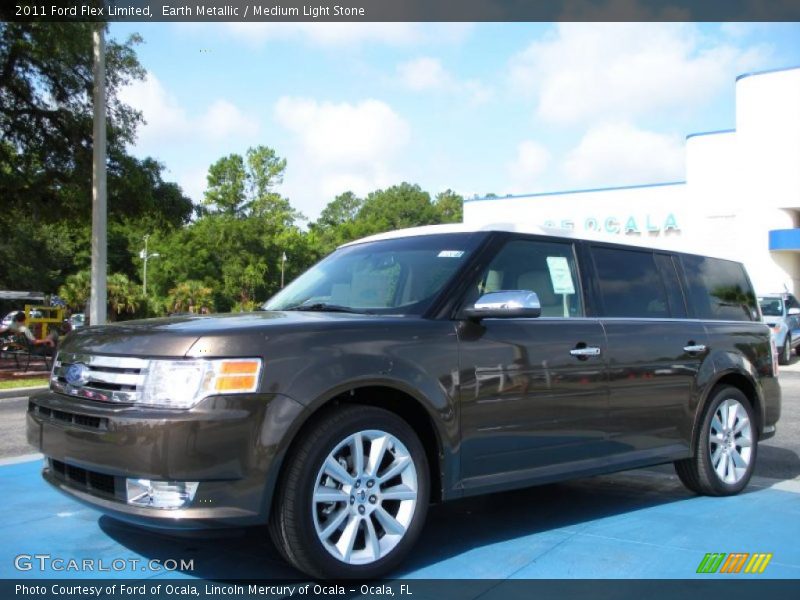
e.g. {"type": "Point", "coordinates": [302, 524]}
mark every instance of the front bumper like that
{"type": "Point", "coordinates": [232, 445]}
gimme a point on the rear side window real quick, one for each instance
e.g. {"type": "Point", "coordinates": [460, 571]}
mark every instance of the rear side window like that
{"type": "Point", "coordinates": [630, 284]}
{"type": "Point", "coordinates": [719, 289]}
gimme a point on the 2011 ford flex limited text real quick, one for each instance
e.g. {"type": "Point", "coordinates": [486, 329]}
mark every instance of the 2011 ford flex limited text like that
{"type": "Point", "coordinates": [410, 367]}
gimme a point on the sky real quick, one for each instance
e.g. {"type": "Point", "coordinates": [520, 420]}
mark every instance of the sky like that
{"type": "Point", "coordinates": [502, 108]}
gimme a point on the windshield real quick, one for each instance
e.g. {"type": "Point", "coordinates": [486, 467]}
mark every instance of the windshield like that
{"type": "Point", "coordinates": [399, 276]}
{"type": "Point", "coordinates": [771, 307]}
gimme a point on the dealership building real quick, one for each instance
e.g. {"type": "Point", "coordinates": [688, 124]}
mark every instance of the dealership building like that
{"type": "Point", "coordinates": [740, 199]}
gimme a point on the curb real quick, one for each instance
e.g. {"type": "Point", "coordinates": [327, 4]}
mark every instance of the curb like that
{"type": "Point", "coordinates": [23, 458]}
{"type": "Point", "coordinates": [21, 392]}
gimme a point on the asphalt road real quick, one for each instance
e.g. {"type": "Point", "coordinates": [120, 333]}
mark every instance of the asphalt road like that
{"type": "Point", "coordinates": [778, 458]}
{"type": "Point", "coordinates": [12, 427]}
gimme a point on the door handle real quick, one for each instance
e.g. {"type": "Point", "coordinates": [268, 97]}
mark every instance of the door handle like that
{"type": "Point", "coordinates": [695, 348]}
{"type": "Point", "coordinates": [585, 352]}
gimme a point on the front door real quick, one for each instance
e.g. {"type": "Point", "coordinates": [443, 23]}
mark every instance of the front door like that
{"type": "Point", "coordinates": [533, 391]}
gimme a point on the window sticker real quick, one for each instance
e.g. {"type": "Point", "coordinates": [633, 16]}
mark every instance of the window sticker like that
{"type": "Point", "coordinates": [560, 275]}
{"type": "Point", "coordinates": [451, 254]}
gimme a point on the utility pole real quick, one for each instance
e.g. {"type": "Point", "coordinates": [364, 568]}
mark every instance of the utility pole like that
{"type": "Point", "coordinates": [283, 265]}
{"type": "Point", "coordinates": [98, 299]}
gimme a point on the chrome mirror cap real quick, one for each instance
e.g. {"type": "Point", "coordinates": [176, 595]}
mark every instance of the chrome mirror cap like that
{"type": "Point", "coordinates": [505, 304]}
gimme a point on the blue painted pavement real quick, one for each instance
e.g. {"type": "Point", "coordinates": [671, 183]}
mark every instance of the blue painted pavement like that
{"type": "Point", "coordinates": [638, 524]}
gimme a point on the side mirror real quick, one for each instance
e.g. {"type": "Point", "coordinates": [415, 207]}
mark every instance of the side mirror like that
{"type": "Point", "coordinates": [793, 311]}
{"type": "Point", "coordinates": [505, 304]}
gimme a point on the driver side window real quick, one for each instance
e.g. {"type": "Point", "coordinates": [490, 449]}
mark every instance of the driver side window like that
{"type": "Point", "coordinates": [547, 268]}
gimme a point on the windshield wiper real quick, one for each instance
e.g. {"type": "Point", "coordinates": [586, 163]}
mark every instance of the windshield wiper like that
{"type": "Point", "coordinates": [324, 307]}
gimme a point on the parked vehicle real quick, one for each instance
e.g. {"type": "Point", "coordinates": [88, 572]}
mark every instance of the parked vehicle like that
{"type": "Point", "coordinates": [413, 367]}
{"type": "Point", "coordinates": [77, 320]}
{"type": "Point", "coordinates": [781, 313]}
{"type": "Point", "coordinates": [6, 322]}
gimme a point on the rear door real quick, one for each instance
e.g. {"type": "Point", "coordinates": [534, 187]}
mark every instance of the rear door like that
{"type": "Point", "coordinates": [654, 350]}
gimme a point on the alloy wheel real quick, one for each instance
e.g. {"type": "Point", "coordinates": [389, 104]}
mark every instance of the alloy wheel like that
{"type": "Point", "coordinates": [364, 497]}
{"type": "Point", "coordinates": [730, 440]}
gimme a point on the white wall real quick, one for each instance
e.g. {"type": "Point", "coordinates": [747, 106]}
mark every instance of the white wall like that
{"type": "Point", "coordinates": [739, 185]}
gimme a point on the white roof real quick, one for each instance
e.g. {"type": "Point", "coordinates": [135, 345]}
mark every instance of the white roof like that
{"type": "Point", "coordinates": [462, 228]}
{"type": "Point", "coordinates": [639, 241]}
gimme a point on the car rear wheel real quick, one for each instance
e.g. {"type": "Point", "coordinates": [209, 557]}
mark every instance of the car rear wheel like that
{"type": "Point", "coordinates": [353, 496]}
{"type": "Point", "coordinates": [725, 449]}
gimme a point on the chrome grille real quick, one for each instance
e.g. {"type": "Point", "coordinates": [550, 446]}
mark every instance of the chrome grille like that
{"type": "Point", "coordinates": [109, 378]}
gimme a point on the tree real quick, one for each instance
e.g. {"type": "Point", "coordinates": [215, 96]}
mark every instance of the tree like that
{"type": "Point", "coordinates": [76, 289]}
{"type": "Point", "coordinates": [399, 206]}
{"type": "Point", "coordinates": [227, 184]}
{"type": "Point", "coordinates": [124, 296]}
{"type": "Point", "coordinates": [46, 157]}
{"type": "Point", "coordinates": [191, 295]}
{"type": "Point", "coordinates": [242, 187]}
{"type": "Point", "coordinates": [449, 206]}
{"type": "Point", "coordinates": [342, 209]}
{"type": "Point", "coordinates": [46, 113]}
{"type": "Point", "coordinates": [337, 223]}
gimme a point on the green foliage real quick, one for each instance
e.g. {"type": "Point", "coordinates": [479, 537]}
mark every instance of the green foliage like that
{"type": "Point", "coordinates": [76, 290]}
{"type": "Point", "coordinates": [190, 296]}
{"type": "Point", "coordinates": [449, 206]}
{"type": "Point", "coordinates": [124, 296]}
{"type": "Point", "coordinates": [348, 217]}
{"type": "Point", "coordinates": [46, 158]}
{"type": "Point", "coordinates": [46, 113]}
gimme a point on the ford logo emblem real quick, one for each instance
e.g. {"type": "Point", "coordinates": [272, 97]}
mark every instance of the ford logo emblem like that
{"type": "Point", "coordinates": [77, 374]}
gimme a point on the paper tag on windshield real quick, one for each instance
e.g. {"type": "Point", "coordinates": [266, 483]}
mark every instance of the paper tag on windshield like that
{"type": "Point", "coordinates": [451, 254]}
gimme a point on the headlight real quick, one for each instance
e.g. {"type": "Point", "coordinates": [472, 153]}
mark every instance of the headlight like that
{"type": "Point", "coordinates": [183, 383]}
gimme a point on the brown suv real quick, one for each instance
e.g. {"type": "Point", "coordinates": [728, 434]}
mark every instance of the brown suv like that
{"type": "Point", "coordinates": [411, 367]}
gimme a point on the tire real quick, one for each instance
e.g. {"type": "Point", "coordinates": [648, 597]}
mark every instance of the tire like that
{"type": "Point", "coordinates": [724, 453]}
{"type": "Point", "coordinates": [785, 354]}
{"type": "Point", "coordinates": [323, 502]}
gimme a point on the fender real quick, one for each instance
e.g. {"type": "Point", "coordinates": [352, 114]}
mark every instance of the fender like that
{"type": "Point", "coordinates": [312, 388]}
{"type": "Point", "coordinates": [725, 364]}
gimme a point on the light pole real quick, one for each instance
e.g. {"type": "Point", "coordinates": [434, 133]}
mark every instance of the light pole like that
{"type": "Point", "coordinates": [98, 299]}
{"type": "Point", "coordinates": [145, 257]}
{"type": "Point", "coordinates": [283, 265]}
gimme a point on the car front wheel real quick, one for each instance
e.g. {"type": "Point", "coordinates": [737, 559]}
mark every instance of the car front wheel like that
{"type": "Point", "coordinates": [725, 449]}
{"type": "Point", "coordinates": [786, 351]}
{"type": "Point", "coordinates": [354, 495]}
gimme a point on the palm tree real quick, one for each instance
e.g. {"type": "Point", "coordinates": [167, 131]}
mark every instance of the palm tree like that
{"type": "Point", "coordinates": [191, 295]}
{"type": "Point", "coordinates": [123, 295]}
{"type": "Point", "coordinates": [76, 290]}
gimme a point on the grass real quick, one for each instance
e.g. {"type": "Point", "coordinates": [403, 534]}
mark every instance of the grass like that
{"type": "Point", "coordinates": [22, 383]}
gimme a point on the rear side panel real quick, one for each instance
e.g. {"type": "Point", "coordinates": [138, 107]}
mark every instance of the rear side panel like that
{"type": "Point", "coordinates": [743, 349]}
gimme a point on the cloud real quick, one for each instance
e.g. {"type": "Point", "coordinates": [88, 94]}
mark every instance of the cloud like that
{"type": "Point", "coordinates": [350, 34]}
{"type": "Point", "coordinates": [423, 74]}
{"type": "Point", "coordinates": [223, 119]}
{"type": "Point", "coordinates": [428, 74]}
{"type": "Point", "coordinates": [347, 146]}
{"type": "Point", "coordinates": [344, 134]}
{"type": "Point", "coordinates": [530, 163]}
{"type": "Point", "coordinates": [165, 118]}
{"type": "Point", "coordinates": [585, 72]}
{"type": "Point", "coordinates": [620, 154]}
{"type": "Point", "coordinates": [161, 110]}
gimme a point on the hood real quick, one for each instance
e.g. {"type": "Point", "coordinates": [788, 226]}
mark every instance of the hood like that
{"type": "Point", "coordinates": [176, 336]}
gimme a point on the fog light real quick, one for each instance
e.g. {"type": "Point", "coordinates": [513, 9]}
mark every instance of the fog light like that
{"type": "Point", "coordinates": [160, 494]}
